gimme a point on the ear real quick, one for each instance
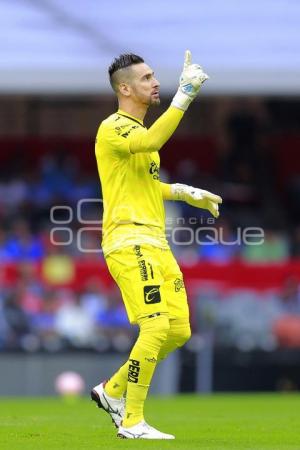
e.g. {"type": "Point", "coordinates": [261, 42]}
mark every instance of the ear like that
{"type": "Point", "coordinates": [124, 89]}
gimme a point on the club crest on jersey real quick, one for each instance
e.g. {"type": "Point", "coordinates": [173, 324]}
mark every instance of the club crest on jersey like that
{"type": "Point", "coordinates": [154, 170]}
{"type": "Point", "coordinates": [152, 294]}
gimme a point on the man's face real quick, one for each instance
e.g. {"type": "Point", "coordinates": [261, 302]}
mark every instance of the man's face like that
{"type": "Point", "coordinates": [143, 85]}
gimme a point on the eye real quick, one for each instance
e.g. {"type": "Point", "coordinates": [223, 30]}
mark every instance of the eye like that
{"type": "Point", "coordinates": [148, 76]}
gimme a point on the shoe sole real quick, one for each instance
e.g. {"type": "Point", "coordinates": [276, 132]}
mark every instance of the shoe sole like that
{"type": "Point", "coordinates": [95, 398]}
{"type": "Point", "coordinates": [121, 436]}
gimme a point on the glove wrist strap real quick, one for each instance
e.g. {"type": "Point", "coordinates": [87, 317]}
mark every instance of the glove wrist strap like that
{"type": "Point", "coordinates": [181, 100]}
{"type": "Point", "coordinates": [178, 191]}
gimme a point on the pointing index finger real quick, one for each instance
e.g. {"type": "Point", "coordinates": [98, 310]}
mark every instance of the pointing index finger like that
{"type": "Point", "coordinates": [187, 58]}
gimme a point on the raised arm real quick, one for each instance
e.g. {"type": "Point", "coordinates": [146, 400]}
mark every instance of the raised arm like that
{"type": "Point", "coordinates": [159, 133]}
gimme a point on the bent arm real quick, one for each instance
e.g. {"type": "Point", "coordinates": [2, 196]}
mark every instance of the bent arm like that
{"type": "Point", "coordinates": [158, 134]}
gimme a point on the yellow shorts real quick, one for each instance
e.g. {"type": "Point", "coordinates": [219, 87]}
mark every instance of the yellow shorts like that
{"type": "Point", "coordinates": [150, 281]}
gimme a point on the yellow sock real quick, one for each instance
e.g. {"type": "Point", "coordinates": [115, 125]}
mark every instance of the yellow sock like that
{"type": "Point", "coordinates": [141, 365]}
{"type": "Point", "coordinates": [117, 384]}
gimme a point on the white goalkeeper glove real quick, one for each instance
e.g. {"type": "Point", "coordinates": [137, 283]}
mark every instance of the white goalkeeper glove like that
{"type": "Point", "coordinates": [197, 197]}
{"type": "Point", "coordinates": [190, 81]}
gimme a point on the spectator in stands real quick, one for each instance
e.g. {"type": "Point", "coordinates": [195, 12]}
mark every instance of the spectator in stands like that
{"type": "Point", "coordinates": [114, 323]}
{"type": "Point", "coordinates": [74, 323]}
{"type": "Point", "coordinates": [94, 298]}
{"type": "Point", "coordinates": [290, 296]}
{"type": "Point", "coordinates": [58, 265]}
{"type": "Point", "coordinates": [43, 323]}
{"type": "Point", "coordinates": [221, 246]}
{"type": "Point", "coordinates": [274, 249]}
{"type": "Point", "coordinates": [4, 251]}
{"type": "Point", "coordinates": [17, 320]}
{"type": "Point", "coordinates": [57, 173]}
{"type": "Point", "coordinates": [22, 245]}
{"type": "Point", "coordinates": [287, 327]}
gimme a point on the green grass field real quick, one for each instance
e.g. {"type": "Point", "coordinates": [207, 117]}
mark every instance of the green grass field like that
{"type": "Point", "coordinates": [217, 422]}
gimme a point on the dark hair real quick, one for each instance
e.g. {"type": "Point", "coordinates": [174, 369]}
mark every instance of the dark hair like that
{"type": "Point", "coordinates": [123, 61]}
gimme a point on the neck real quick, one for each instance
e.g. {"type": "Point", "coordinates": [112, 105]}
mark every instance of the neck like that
{"type": "Point", "coordinates": [136, 110]}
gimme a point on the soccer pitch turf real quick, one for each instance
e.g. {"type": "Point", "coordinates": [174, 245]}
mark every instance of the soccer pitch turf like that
{"type": "Point", "coordinates": [217, 422]}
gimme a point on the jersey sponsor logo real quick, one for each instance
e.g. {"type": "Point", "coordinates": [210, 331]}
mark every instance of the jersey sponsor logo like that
{"type": "Point", "coordinates": [154, 170]}
{"type": "Point", "coordinates": [178, 284]}
{"type": "Point", "coordinates": [143, 270]}
{"type": "Point", "coordinates": [137, 250]}
{"type": "Point", "coordinates": [141, 263]}
{"type": "Point", "coordinates": [133, 370]}
{"type": "Point", "coordinates": [152, 295]}
{"type": "Point", "coordinates": [120, 130]}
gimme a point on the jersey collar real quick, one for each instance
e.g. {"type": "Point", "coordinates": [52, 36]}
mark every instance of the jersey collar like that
{"type": "Point", "coordinates": [129, 116]}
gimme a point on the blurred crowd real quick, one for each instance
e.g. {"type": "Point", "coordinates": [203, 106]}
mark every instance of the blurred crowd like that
{"type": "Point", "coordinates": [35, 317]}
{"type": "Point", "coordinates": [249, 320]}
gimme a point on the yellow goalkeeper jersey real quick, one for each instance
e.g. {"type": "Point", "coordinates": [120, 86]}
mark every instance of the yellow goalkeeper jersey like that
{"type": "Point", "coordinates": [129, 173]}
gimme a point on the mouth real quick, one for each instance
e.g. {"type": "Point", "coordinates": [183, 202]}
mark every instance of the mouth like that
{"type": "Point", "coordinates": [155, 93]}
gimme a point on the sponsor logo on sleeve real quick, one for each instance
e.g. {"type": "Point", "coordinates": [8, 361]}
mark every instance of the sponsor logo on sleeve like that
{"type": "Point", "coordinates": [179, 284]}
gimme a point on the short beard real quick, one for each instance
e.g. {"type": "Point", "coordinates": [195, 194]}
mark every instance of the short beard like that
{"type": "Point", "coordinates": [154, 102]}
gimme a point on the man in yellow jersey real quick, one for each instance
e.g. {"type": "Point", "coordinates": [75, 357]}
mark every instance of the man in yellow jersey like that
{"type": "Point", "coordinates": [134, 243]}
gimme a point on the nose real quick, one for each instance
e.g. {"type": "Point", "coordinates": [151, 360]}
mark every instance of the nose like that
{"type": "Point", "coordinates": [156, 83]}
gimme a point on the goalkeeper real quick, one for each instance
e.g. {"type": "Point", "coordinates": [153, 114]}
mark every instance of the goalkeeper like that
{"type": "Point", "coordinates": [134, 243]}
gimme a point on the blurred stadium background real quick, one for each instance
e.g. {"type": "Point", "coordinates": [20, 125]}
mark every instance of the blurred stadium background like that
{"type": "Point", "coordinates": [59, 309]}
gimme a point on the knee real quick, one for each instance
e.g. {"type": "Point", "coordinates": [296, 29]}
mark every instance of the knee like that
{"type": "Point", "coordinates": [185, 335]}
{"type": "Point", "coordinates": [157, 327]}
{"type": "Point", "coordinates": [180, 333]}
{"type": "Point", "coordinates": [161, 328]}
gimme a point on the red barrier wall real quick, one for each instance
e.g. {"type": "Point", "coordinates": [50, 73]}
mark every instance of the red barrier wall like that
{"type": "Point", "coordinates": [235, 275]}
